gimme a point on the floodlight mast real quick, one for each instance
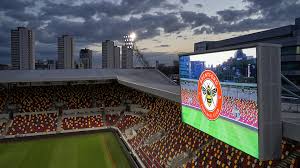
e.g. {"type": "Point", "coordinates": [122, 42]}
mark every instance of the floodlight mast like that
{"type": "Point", "coordinates": [130, 43]}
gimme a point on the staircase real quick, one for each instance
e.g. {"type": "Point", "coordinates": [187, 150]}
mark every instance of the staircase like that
{"type": "Point", "coordinates": [7, 125]}
{"type": "Point", "coordinates": [288, 160]}
{"type": "Point", "coordinates": [59, 124]}
{"type": "Point", "coordinates": [194, 154]}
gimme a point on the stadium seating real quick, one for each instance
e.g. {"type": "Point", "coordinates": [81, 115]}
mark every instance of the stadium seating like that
{"type": "Point", "coordinates": [247, 110]}
{"type": "Point", "coordinates": [127, 121]}
{"type": "Point", "coordinates": [34, 123]}
{"type": "Point", "coordinates": [36, 99]}
{"type": "Point", "coordinates": [219, 154]}
{"type": "Point", "coordinates": [111, 120]}
{"type": "Point", "coordinates": [3, 98]}
{"type": "Point", "coordinates": [74, 96]}
{"type": "Point", "coordinates": [82, 122]}
{"type": "Point", "coordinates": [163, 117]}
{"type": "Point", "coordinates": [32, 99]}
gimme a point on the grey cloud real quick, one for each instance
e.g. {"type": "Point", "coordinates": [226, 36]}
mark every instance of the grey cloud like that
{"type": "Point", "coordinates": [48, 24]}
{"type": "Point", "coordinates": [163, 46]}
{"type": "Point", "coordinates": [15, 5]}
{"type": "Point", "coordinates": [199, 5]}
{"type": "Point", "coordinates": [257, 15]}
{"type": "Point", "coordinates": [202, 30]}
{"type": "Point", "coordinates": [184, 1]}
{"type": "Point", "coordinates": [87, 10]}
{"type": "Point", "coordinates": [230, 15]}
{"type": "Point", "coordinates": [267, 13]}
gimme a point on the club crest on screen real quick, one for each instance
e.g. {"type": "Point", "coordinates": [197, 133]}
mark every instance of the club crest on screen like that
{"type": "Point", "coordinates": [210, 94]}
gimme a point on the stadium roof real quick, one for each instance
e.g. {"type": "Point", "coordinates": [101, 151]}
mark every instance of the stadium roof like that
{"type": "Point", "coordinates": [147, 80]}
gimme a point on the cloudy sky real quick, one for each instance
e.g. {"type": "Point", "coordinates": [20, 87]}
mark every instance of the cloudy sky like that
{"type": "Point", "coordinates": [164, 27]}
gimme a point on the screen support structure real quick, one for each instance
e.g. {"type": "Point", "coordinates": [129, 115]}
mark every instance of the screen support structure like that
{"type": "Point", "coordinates": [269, 106]}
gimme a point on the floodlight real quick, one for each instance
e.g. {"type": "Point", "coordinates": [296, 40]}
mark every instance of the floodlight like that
{"type": "Point", "coordinates": [132, 36]}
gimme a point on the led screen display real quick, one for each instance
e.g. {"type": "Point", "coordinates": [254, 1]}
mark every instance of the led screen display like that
{"type": "Point", "coordinates": [219, 96]}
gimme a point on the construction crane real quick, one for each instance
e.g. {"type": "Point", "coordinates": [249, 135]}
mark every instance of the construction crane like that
{"type": "Point", "coordinates": [130, 43]}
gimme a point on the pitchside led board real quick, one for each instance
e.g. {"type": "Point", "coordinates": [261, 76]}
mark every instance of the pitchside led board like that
{"type": "Point", "coordinates": [233, 94]}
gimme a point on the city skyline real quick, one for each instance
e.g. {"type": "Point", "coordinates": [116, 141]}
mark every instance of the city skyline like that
{"type": "Point", "coordinates": [218, 58]}
{"type": "Point", "coordinates": [161, 35]}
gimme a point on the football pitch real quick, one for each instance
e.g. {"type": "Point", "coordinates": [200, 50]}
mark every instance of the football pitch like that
{"type": "Point", "coordinates": [97, 150]}
{"type": "Point", "coordinates": [233, 134]}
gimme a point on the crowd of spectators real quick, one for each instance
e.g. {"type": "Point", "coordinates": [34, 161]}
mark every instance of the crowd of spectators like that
{"type": "Point", "coordinates": [244, 111]}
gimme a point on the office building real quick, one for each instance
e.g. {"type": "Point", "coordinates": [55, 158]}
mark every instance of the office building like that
{"type": "Point", "coordinates": [127, 57]}
{"type": "Point", "coordinates": [287, 36]}
{"type": "Point", "coordinates": [108, 54]}
{"type": "Point", "coordinates": [41, 65]}
{"type": "Point", "coordinates": [197, 67]}
{"type": "Point", "coordinates": [4, 67]}
{"type": "Point", "coordinates": [85, 58]}
{"type": "Point", "coordinates": [65, 52]}
{"type": "Point", "coordinates": [45, 64]}
{"type": "Point", "coordinates": [51, 64]}
{"type": "Point", "coordinates": [184, 67]}
{"type": "Point", "coordinates": [22, 49]}
{"type": "Point", "coordinates": [117, 58]}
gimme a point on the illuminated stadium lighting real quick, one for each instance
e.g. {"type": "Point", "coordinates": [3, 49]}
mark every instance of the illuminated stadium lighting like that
{"type": "Point", "coordinates": [132, 36]}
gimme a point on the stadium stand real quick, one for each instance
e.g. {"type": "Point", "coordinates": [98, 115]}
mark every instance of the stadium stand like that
{"type": "Point", "coordinates": [3, 97]}
{"type": "Point", "coordinates": [32, 99]}
{"type": "Point", "coordinates": [74, 96]}
{"type": "Point", "coordinates": [127, 121]}
{"type": "Point", "coordinates": [247, 110]}
{"type": "Point", "coordinates": [33, 123]}
{"type": "Point", "coordinates": [162, 137]}
{"type": "Point", "coordinates": [111, 120]}
{"type": "Point", "coordinates": [82, 122]}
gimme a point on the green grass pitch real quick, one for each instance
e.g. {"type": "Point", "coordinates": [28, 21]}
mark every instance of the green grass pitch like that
{"type": "Point", "coordinates": [96, 150]}
{"type": "Point", "coordinates": [233, 134]}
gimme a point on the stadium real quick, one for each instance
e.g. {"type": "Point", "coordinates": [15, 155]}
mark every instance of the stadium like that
{"type": "Point", "coordinates": [116, 118]}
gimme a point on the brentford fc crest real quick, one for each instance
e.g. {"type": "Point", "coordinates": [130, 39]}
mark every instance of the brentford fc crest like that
{"type": "Point", "coordinates": [210, 94]}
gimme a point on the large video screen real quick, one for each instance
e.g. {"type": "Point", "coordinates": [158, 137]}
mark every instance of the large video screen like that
{"type": "Point", "coordinates": [219, 96]}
